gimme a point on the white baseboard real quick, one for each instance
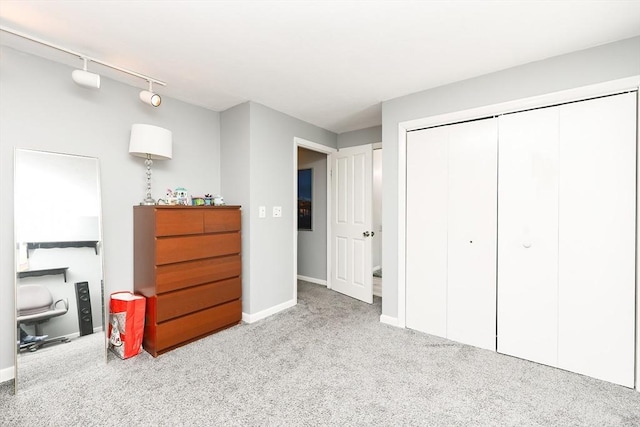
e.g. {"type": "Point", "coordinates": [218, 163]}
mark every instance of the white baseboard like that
{"type": "Point", "coordinates": [251, 318]}
{"type": "Point", "coordinates": [312, 280]}
{"type": "Point", "coordinates": [6, 374]}
{"type": "Point", "coordinates": [388, 320]}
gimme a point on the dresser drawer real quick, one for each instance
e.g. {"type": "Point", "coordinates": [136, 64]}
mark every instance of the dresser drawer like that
{"type": "Point", "coordinates": [179, 303]}
{"type": "Point", "coordinates": [177, 249]}
{"type": "Point", "coordinates": [171, 277]}
{"type": "Point", "coordinates": [174, 222]}
{"type": "Point", "coordinates": [186, 328]}
{"type": "Point", "coordinates": [221, 220]}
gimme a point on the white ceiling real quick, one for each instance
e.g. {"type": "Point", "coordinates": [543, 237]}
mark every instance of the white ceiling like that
{"type": "Point", "coordinates": [330, 63]}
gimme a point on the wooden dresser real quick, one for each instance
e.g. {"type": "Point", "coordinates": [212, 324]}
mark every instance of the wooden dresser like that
{"type": "Point", "coordinates": [187, 263]}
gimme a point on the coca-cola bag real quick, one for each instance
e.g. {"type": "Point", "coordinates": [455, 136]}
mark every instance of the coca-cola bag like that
{"type": "Point", "coordinates": [126, 323]}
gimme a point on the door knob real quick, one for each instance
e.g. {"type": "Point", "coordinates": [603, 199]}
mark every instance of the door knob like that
{"type": "Point", "coordinates": [373, 233]}
{"type": "Point", "coordinates": [365, 234]}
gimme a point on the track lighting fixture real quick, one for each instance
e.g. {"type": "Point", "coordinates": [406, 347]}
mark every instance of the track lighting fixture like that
{"type": "Point", "coordinates": [85, 78]}
{"type": "Point", "coordinates": [91, 80]}
{"type": "Point", "coordinates": [148, 97]}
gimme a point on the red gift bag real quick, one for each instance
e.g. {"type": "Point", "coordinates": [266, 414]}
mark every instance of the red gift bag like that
{"type": "Point", "coordinates": [126, 323]}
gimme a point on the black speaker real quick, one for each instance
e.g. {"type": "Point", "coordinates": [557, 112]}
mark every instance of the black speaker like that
{"type": "Point", "coordinates": [85, 320]}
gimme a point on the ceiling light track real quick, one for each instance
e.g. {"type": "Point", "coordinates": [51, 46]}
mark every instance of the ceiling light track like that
{"type": "Point", "coordinates": [84, 78]}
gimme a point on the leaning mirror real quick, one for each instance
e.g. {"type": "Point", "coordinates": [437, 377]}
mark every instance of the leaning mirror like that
{"type": "Point", "coordinates": [59, 270]}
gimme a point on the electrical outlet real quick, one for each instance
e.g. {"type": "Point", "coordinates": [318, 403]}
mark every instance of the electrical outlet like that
{"type": "Point", "coordinates": [262, 212]}
{"type": "Point", "coordinates": [277, 211]}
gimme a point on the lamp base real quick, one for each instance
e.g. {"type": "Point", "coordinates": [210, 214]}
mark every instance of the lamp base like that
{"type": "Point", "coordinates": [148, 202]}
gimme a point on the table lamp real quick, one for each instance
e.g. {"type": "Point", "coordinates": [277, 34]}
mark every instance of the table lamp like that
{"type": "Point", "coordinates": [151, 143]}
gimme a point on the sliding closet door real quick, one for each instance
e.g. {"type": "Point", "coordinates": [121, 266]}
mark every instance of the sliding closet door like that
{"type": "Point", "coordinates": [426, 292]}
{"type": "Point", "coordinates": [471, 284]}
{"type": "Point", "coordinates": [597, 238]}
{"type": "Point", "coordinates": [528, 235]}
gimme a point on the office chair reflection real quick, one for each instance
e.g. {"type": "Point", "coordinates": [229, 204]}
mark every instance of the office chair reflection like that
{"type": "Point", "coordinates": [35, 306]}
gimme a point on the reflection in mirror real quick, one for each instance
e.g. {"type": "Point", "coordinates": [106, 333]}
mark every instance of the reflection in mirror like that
{"type": "Point", "coordinates": [59, 283]}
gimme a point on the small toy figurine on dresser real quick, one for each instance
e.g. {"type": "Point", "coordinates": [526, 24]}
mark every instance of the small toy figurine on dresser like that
{"type": "Point", "coordinates": [207, 200]}
{"type": "Point", "coordinates": [182, 196]}
{"type": "Point", "coordinates": [179, 196]}
{"type": "Point", "coordinates": [218, 200]}
{"type": "Point", "coordinates": [197, 201]}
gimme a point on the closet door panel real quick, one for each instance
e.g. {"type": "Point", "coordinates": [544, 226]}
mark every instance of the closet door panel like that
{"type": "Point", "coordinates": [472, 210]}
{"type": "Point", "coordinates": [528, 235]}
{"type": "Point", "coordinates": [426, 297]}
{"type": "Point", "coordinates": [597, 238]}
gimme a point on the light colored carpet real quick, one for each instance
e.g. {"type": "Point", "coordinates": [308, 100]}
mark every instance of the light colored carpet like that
{"type": "Point", "coordinates": [326, 361]}
{"type": "Point", "coordinates": [52, 363]}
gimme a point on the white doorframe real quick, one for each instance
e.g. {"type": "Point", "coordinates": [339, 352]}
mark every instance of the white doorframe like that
{"type": "Point", "coordinates": [599, 89]}
{"type": "Point", "coordinates": [638, 249]}
{"type": "Point", "coordinates": [313, 146]}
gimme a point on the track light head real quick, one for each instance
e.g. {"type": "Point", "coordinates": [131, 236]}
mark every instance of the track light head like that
{"type": "Point", "coordinates": [85, 78]}
{"type": "Point", "coordinates": [148, 97]}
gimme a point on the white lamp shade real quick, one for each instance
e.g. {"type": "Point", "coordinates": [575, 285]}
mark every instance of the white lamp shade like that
{"type": "Point", "coordinates": [150, 140]}
{"type": "Point", "coordinates": [86, 79]}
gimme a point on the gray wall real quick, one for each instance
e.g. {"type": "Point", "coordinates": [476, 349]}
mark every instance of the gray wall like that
{"type": "Point", "coordinates": [257, 170]}
{"type": "Point", "coordinates": [271, 163]}
{"type": "Point", "coordinates": [41, 108]}
{"type": "Point", "coordinates": [312, 244]}
{"type": "Point", "coordinates": [603, 63]}
{"type": "Point", "coordinates": [360, 137]}
{"type": "Point", "coordinates": [235, 177]}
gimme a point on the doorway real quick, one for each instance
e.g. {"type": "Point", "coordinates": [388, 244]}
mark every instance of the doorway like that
{"type": "Point", "coordinates": [319, 155]}
{"type": "Point", "coordinates": [312, 244]}
{"type": "Point", "coordinates": [312, 216]}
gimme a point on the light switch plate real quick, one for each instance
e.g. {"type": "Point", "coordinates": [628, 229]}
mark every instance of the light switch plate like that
{"type": "Point", "coordinates": [277, 211]}
{"type": "Point", "coordinates": [262, 212]}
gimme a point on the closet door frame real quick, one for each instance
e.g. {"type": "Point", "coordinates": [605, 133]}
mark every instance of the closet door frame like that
{"type": "Point", "coordinates": [549, 99]}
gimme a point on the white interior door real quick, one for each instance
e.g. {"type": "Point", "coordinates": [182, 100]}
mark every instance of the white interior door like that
{"type": "Point", "coordinates": [427, 182]}
{"type": "Point", "coordinates": [597, 238]}
{"type": "Point", "coordinates": [528, 235]}
{"type": "Point", "coordinates": [351, 228]}
{"type": "Point", "coordinates": [472, 234]}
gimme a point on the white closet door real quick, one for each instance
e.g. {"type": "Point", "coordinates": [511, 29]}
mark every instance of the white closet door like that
{"type": "Point", "coordinates": [597, 238]}
{"type": "Point", "coordinates": [426, 289]}
{"type": "Point", "coordinates": [471, 284]}
{"type": "Point", "coordinates": [528, 235]}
